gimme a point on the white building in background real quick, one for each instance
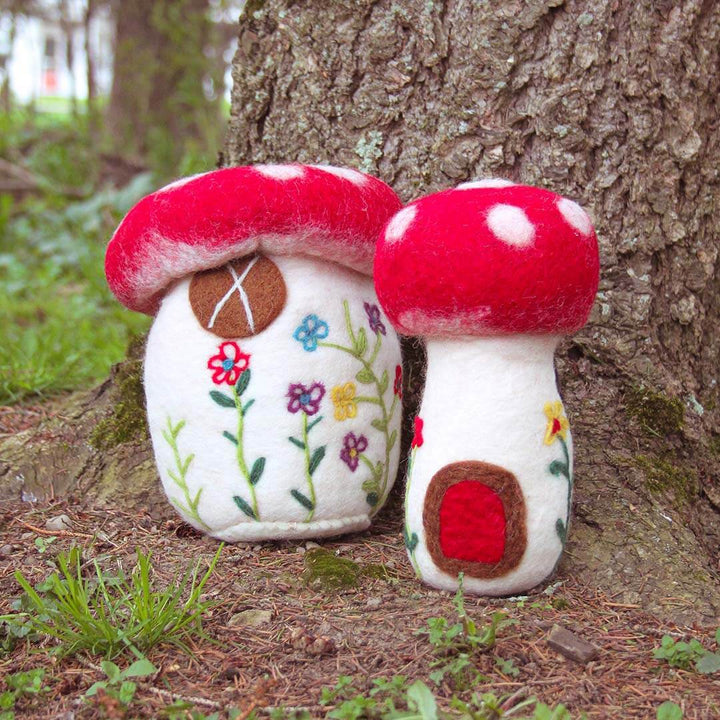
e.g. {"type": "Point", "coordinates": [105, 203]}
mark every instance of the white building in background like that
{"type": "Point", "coordinates": [37, 64]}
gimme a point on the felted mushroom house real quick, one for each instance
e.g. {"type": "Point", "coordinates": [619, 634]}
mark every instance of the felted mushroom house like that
{"type": "Point", "coordinates": [491, 275]}
{"type": "Point", "coordinates": [269, 367]}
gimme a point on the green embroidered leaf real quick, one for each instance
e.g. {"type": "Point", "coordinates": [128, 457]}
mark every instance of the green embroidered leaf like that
{"type": "Point", "coordinates": [378, 471]}
{"type": "Point", "coordinates": [244, 506]}
{"type": "Point", "coordinates": [372, 499]}
{"type": "Point", "coordinates": [302, 499]}
{"type": "Point", "coordinates": [361, 342]}
{"type": "Point", "coordinates": [297, 442]}
{"type": "Point", "coordinates": [558, 467]}
{"type": "Point", "coordinates": [184, 467]}
{"type": "Point", "coordinates": [222, 399]}
{"type": "Point", "coordinates": [230, 437]}
{"type": "Point", "coordinates": [561, 531]}
{"type": "Point", "coordinates": [370, 485]}
{"type": "Point", "coordinates": [379, 424]}
{"type": "Point", "coordinates": [317, 456]}
{"type": "Point", "coordinates": [257, 470]}
{"type": "Point", "coordinates": [411, 541]}
{"type": "Point", "coordinates": [391, 440]}
{"type": "Point", "coordinates": [384, 380]}
{"type": "Point", "coordinates": [243, 382]}
{"type": "Point", "coordinates": [365, 376]}
{"type": "Point", "coordinates": [248, 404]}
{"type": "Point", "coordinates": [314, 423]}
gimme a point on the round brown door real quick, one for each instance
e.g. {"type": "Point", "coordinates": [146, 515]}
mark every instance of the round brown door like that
{"type": "Point", "coordinates": [239, 299]}
{"type": "Point", "coordinates": [475, 520]}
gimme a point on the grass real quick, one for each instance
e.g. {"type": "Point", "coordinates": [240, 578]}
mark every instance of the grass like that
{"type": "Point", "coordinates": [100, 614]}
{"type": "Point", "coordinates": [62, 328]}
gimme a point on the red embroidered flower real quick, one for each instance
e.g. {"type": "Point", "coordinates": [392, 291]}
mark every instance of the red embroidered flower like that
{"type": "Point", "coordinates": [417, 440]}
{"type": "Point", "coordinates": [397, 386]}
{"type": "Point", "coordinates": [228, 364]}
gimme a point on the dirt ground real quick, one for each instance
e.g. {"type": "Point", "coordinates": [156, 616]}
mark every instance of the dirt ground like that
{"type": "Point", "coordinates": [315, 633]}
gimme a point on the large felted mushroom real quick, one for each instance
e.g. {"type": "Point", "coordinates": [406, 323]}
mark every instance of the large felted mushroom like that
{"type": "Point", "coordinates": [268, 366]}
{"type": "Point", "coordinates": [491, 274]}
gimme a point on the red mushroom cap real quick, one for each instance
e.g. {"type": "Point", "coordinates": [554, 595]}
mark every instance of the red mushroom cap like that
{"type": "Point", "coordinates": [206, 220]}
{"type": "Point", "coordinates": [488, 258]}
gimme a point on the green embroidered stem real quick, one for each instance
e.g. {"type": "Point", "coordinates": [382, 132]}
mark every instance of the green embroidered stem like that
{"type": "Point", "coordinates": [558, 468]}
{"type": "Point", "coordinates": [190, 507]}
{"type": "Point", "coordinates": [411, 538]}
{"type": "Point", "coordinates": [240, 454]}
{"type": "Point", "coordinates": [308, 475]}
{"type": "Point", "coordinates": [365, 399]}
{"type": "Point", "coordinates": [368, 376]}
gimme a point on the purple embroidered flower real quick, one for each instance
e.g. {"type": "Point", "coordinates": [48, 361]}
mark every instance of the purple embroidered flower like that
{"type": "Point", "coordinates": [352, 447]}
{"type": "Point", "coordinates": [373, 313]}
{"type": "Point", "coordinates": [310, 330]}
{"type": "Point", "coordinates": [305, 398]}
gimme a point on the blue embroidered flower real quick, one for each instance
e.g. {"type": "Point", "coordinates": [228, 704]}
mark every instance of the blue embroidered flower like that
{"type": "Point", "coordinates": [310, 331]}
{"type": "Point", "coordinates": [374, 319]}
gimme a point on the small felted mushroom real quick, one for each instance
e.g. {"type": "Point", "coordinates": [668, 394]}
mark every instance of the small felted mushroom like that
{"type": "Point", "coordinates": [491, 274]}
{"type": "Point", "coordinates": [268, 366]}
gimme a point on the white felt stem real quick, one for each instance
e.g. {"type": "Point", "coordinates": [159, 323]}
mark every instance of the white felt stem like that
{"type": "Point", "coordinates": [484, 400]}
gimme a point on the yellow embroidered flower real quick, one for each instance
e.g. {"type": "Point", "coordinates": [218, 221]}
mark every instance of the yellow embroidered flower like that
{"type": "Point", "coordinates": [557, 422]}
{"type": "Point", "coordinates": [343, 397]}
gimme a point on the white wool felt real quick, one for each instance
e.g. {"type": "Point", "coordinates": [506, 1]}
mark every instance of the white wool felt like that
{"type": "Point", "coordinates": [484, 401]}
{"type": "Point", "coordinates": [178, 385]}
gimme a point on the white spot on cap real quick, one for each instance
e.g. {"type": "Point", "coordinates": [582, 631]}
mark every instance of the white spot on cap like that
{"type": "Point", "coordinates": [180, 182]}
{"type": "Point", "coordinates": [399, 224]}
{"type": "Point", "coordinates": [487, 183]}
{"type": "Point", "coordinates": [574, 215]}
{"type": "Point", "coordinates": [346, 173]}
{"type": "Point", "coordinates": [280, 172]}
{"type": "Point", "coordinates": [446, 322]}
{"type": "Point", "coordinates": [511, 225]}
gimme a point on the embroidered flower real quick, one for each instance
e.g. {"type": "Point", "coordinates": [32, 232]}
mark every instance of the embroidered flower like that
{"type": "Point", "coordinates": [417, 440]}
{"type": "Point", "coordinates": [557, 425]}
{"type": "Point", "coordinates": [397, 385]}
{"type": "Point", "coordinates": [343, 397]}
{"type": "Point", "coordinates": [373, 313]}
{"type": "Point", "coordinates": [352, 447]}
{"type": "Point", "coordinates": [305, 398]}
{"type": "Point", "coordinates": [228, 364]}
{"type": "Point", "coordinates": [310, 330]}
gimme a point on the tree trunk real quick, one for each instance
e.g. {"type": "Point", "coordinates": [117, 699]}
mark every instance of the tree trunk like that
{"type": "Point", "coordinates": [158, 105]}
{"type": "Point", "coordinates": [610, 102]}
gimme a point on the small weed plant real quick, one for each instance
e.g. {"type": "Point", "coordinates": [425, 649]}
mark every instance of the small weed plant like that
{"type": "Point", "coordinates": [23, 684]}
{"type": "Point", "coordinates": [102, 614]}
{"type": "Point", "coordinates": [689, 655]}
{"type": "Point", "coordinates": [455, 645]}
{"type": "Point", "coordinates": [399, 698]}
{"type": "Point", "coordinates": [117, 684]}
{"type": "Point", "coordinates": [669, 711]}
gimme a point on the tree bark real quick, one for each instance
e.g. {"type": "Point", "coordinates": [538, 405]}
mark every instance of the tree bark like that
{"type": "Point", "coordinates": [610, 102]}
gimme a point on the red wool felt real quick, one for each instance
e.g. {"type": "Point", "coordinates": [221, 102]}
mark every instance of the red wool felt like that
{"type": "Point", "coordinates": [205, 221]}
{"type": "Point", "coordinates": [487, 261]}
{"type": "Point", "coordinates": [472, 523]}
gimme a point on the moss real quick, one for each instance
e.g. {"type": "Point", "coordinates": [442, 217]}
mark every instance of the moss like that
{"type": "Point", "coordinates": [326, 571]}
{"type": "Point", "coordinates": [715, 445]}
{"type": "Point", "coordinates": [659, 414]}
{"type": "Point", "coordinates": [127, 421]}
{"type": "Point", "coordinates": [662, 476]}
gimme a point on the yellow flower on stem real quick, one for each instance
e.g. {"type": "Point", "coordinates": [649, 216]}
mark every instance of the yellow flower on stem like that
{"type": "Point", "coordinates": [343, 397]}
{"type": "Point", "coordinates": [558, 424]}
